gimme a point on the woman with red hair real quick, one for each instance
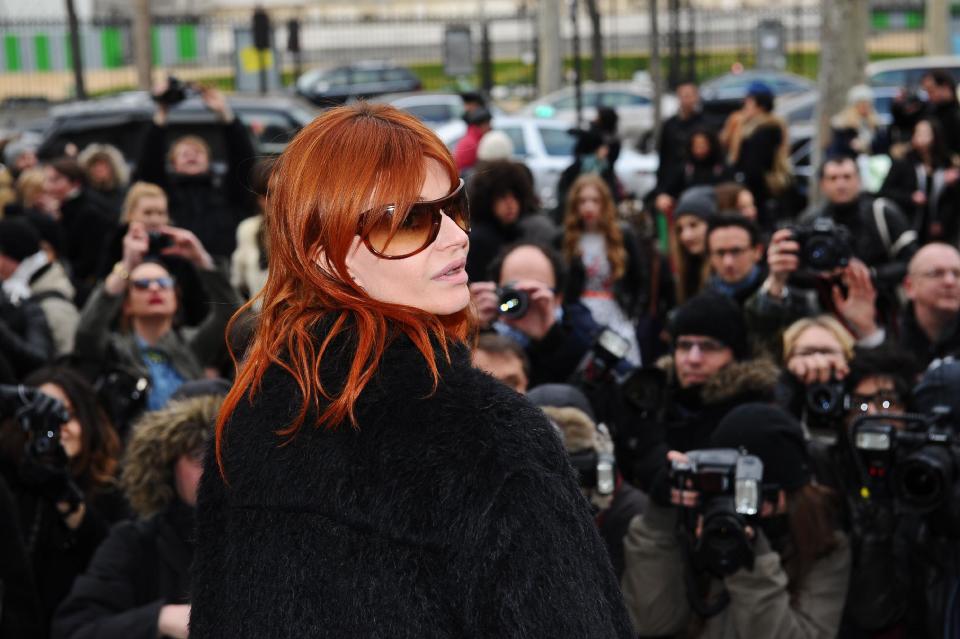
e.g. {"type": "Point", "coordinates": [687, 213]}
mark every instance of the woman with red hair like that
{"type": "Point", "coordinates": [366, 480]}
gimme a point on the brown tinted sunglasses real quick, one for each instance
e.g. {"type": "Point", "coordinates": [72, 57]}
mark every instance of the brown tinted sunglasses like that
{"type": "Point", "coordinates": [419, 227]}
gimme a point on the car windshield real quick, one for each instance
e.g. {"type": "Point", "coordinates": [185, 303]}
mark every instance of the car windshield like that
{"type": "Point", "coordinates": [557, 142]}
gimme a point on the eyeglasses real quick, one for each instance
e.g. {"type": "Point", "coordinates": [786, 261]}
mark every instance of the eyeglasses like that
{"type": "Point", "coordinates": [734, 252]}
{"type": "Point", "coordinates": [418, 229]}
{"type": "Point", "coordinates": [706, 346]}
{"type": "Point", "coordinates": [880, 401]}
{"type": "Point", "coordinates": [143, 283]}
{"type": "Point", "coordinates": [940, 273]}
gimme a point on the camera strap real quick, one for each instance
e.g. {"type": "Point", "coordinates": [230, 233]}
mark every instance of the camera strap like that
{"type": "Point", "coordinates": [698, 603]}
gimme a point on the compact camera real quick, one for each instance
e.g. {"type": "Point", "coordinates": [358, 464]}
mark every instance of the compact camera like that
{"type": "Point", "coordinates": [824, 245]}
{"type": "Point", "coordinates": [157, 241]}
{"type": "Point", "coordinates": [730, 487]}
{"type": "Point", "coordinates": [176, 92]}
{"type": "Point", "coordinates": [513, 302]}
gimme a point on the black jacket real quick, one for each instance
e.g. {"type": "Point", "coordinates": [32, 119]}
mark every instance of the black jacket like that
{"type": "Point", "coordinates": [19, 606]}
{"type": "Point", "coordinates": [674, 139]}
{"type": "Point", "coordinates": [206, 204]}
{"type": "Point", "coordinates": [453, 515]}
{"type": "Point", "coordinates": [141, 567]}
{"type": "Point", "coordinates": [935, 220]}
{"type": "Point", "coordinates": [26, 343]}
{"type": "Point", "coordinates": [914, 340]}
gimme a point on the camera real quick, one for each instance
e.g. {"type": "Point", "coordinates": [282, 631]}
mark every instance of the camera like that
{"type": "Point", "coordinates": [826, 404]}
{"type": "Point", "coordinates": [157, 241]}
{"type": "Point", "coordinates": [176, 92]}
{"type": "Point", "coordinates": [824, 245]}
{"type": "Point", "coordinates": [601, 362]}
{"type": "Point", "coordinates": [729, 484]}
{"type": "Point", "coordinates": [513, 302]}
{"type": "Point", "coordinates": [41, 421]}
{"type": "Point", "coordinates": [596, 470]}
{"type": "Point", "coordinates": [917, 465]}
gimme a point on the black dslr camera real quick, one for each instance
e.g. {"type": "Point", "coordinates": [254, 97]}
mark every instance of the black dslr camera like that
{"type": "Point", "coordinates": [513, 302]}
{"type": "Point", "coordinates": [730, 488]}
{"type": "Point", "coordinates": [601, 362]}
{"type": "Point", "coordinates": [824, 245]}
{"type": "Point", "coordinates": [917, 465]}
{"type": "Point", "coordinates": [826, 404]}
{"type": "Point", "coordinates": [176, 92]}
{"type": "Point", "coordinates": [157, 241]}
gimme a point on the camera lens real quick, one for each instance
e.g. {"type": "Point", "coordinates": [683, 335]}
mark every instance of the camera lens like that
{"type": "Point", "coordinates": [924, 476]}
{"type": "Point", "coordinates": [821, 254]}
{"type": "Point", "coordinates": [513, 303]}
{"type": "Point", "coordinates": [825, 399]}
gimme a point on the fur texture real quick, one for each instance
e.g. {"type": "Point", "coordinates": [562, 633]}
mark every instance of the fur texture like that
{"type": "Point", "coordinates": [454, 514]}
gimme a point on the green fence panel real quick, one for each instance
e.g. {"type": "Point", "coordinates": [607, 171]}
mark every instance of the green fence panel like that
{"type": "Point", "coordinates": [41, 47]}
{"type": "Point", "coordinates": [11, 49]}
{"type": "Point", "coordinates": [187, 43]}
{"type": "Point", "coordinates": [111, 40]}
{"type": "Point", "coordinates": [155, 54]}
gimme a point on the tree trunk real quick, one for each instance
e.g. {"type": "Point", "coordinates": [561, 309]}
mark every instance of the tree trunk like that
{"type": "Point", "coordinates": [598, 72]}
{"type": "Point", "coordinates": [74, 27]}
{"type": "Point", "coordinates": [843, 56]}
{"type": "Point", "coordinates": [141, 44]}
{"type": "Point", "coordinates": [549, 56]}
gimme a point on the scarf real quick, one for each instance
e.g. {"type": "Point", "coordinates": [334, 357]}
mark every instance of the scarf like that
{"type": "Point", "coordinates": [17, 286]}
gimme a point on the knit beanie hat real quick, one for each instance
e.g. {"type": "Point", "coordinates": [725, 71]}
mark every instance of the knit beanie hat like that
{"type": "Point", "coordinates": [938, 387]}
{"type": "Point", "coordinates": [697, 201]}
{"type": "Point", "coordinates": [561, 396]}
{"type": "Point", "coordinates": [773, 435]}
{"type": "Point", "coordinates": [712, 315]}
{"type": "Point", "coordinates": [18, 239]}
{"type": "Point", "coordinates": [495, 145]}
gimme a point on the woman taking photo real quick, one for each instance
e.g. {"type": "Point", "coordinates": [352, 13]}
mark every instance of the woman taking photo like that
{"type": "Point", "coordinates": [67, 498]}
{"type": "Point", "coordinates": [366, 480]}
{"type": "Point", "coordinates": [601, 255]}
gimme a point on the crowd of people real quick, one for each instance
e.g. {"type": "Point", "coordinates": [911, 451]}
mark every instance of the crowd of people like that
{"type": "Point", "coordinates": [814, 341]}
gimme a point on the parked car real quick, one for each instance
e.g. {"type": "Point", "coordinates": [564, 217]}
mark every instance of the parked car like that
{"type": "Point", "coordinates": [434, 109]}
{"type": "Point", "coordinates": [632, 101]}
{"type": "Point", "coordinates": [546, 147]}
{"type": "Point", "coordinates": [122, 121]}
{"type": "Point", "coordinates": [906, 72]}
{"type": "Point", "coordinates": [330, 87]}
{"type": "Point", "coordinates": [721, 96]}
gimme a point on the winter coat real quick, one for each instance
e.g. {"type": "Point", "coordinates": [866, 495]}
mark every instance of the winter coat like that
{"type": "Point", "coordinates": [760, 604]}
{"type": "Point", "coordinates": [19, 607]}
{"type": "Point", "coordinates": [139, 568]}
{"type": "Point", "coordinates": [51, 288]}
{"type": "Point", "coordinates": [188, 351]}
{"type": "Point", "coordinates": [451, 514]}
{"type": "Point", "coordinates": [248, 265]}
{"type": "Point", "coordinates": [683, 419]}
{"type": "Point", "coordinates": [935, 220]}
{"type": "Point", "coordinates": [914, 340]}
{"type": "Point", "coordinates": [86, 228]}
{"type": "Point", "coordinates": [25, 340]}
{"type": "Point", "coordinates": [210, 205]}
{"type": "Point", "coordinates": [673, 142]}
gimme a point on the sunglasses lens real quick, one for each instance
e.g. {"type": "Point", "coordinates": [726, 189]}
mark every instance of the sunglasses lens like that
{"type": "Point", "coordinates": [412, 234]}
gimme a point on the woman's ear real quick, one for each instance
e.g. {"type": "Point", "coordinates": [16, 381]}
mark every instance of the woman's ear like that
{"type": "Point", "coordinates": [351, 262]}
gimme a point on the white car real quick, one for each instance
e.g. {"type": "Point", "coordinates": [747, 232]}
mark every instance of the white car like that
{"type": "Point", "coordinates": [546, 147]}
{"type": "Point", "coordinates": [633, 102]}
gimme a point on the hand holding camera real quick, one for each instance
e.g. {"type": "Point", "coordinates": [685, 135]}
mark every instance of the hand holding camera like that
{"type": "Point", "coordinates": [485, 302]}
{"type": "Point", "coordinates": [528, 306]}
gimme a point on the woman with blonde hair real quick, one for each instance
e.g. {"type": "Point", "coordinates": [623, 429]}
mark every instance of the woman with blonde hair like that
{"type": "Point", "coordinates": [366, 480]}
{"type": "Point", "coordinates": [601, 255]}
{"type": "Point", "coordinates": [857, 129]}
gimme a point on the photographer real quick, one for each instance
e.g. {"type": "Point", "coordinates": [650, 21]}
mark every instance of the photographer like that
{"type": "Point", "coordinates": [554, 333]}
{"type": "Point", "coordinates": [209, 205]}
{"type": "Point", "coordinates": [60, 462]}
{"type": "Point", "coordinates": [879, 381]}
{"type": "Point", "coordinates": [142, 291]}
{"type": "Point", "coordinates": [677, 405]}
{"type": "Point", "coordinates": [930, 323]}
{"type": "Point", "coordinates": [789, 575]}
{"type": "Point", "coordinates": [138, 583]}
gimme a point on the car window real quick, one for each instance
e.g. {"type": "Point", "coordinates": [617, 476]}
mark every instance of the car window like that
{"type": "Point", "coordinates": [882, 105]}
{"type": "Point", "coordinates": [622, 98]}
{"type": "Point", "coordinates": [365, 76]}
{"type": "Point", "coordinates": [393, 75]}
{"type": "Point", "coordinates": [782, 85]}
{"type": "Point", "coordinates": [270, 130]}
{"type": "Point", "coordinates": [337, 78]}
{"type": "Point", "coordinates": [557, 142]}
{"type": "Point", "coordinates": [432, 112]}
{"type": "Point", "coordinates": [803, 114]}
{"type": "Point", "coordinates": [894, 78]}
{"type": "Point", "coordinates": [515, 134]}
{"type": "Point", "coordinates": [569, 102]}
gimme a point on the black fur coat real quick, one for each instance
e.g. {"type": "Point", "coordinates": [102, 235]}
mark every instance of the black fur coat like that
{"type": "Point", "coordinates": [454, 515]}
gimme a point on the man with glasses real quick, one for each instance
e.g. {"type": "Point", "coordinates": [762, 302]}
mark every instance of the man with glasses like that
{"type": "Point", "coordinates": [879, 382]}
{"type": "Point", "coordinates": [735, 251]}
{"type": "Point", "coordinates": [710, 373]}
{"type": "Point", "coordinates": [930, 325]}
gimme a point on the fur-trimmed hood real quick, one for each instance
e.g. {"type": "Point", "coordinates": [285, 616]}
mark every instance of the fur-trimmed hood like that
{"type": "Point", "coordinates": [751, 380]}
{"type": "Point", "coordinates": [159, 439]}
{"type": "Point", "coordinates": [111, 154]}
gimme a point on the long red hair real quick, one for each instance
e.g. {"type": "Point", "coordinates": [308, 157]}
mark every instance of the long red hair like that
{"type": "Point", "coordinates": [350, 160]}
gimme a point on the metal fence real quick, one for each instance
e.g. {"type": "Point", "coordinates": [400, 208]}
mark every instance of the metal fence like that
{"type": "Point", "coordinates": [35, 57]}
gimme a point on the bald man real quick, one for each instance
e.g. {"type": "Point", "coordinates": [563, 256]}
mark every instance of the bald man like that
{"type": "Point", "coordinates": [930, 325]}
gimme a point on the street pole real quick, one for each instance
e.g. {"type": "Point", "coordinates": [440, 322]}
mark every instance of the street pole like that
{"type": "Point", "coordinates": [938, 27]}
{"type": "Point", "coordinates": [656, 70]}
{"type": "Point", "coordinates": [549, 59]}
{"type": "Point", "coordinates": [577, 89]}
{"type": "Point", "coordinates": [141, 44]}
{"type": "Point", "coordinates": [74, 27]}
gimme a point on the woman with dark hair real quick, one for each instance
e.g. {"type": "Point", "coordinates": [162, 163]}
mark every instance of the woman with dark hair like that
{"type": "Point", "coordinates": [789, 579]}
{"type": "Point", "coordinates": [735, 198]}
{"type": "Point", "coordinates": [503, 211]}
{"type": "Point", "coordinates": [924, 184]}
{"type": "Point", "coordinates": [141, 293]}
{"type": "Point", "coordinates": [67, 498]}
{"type": "Point", "coordinates": [367, 481]}
{"type": "Point", "coordinates": [705, 165]}
{"type": "Point", "coordinates": [601, 257]}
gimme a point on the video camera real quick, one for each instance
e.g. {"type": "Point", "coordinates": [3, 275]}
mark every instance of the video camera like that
{"type": "Point", "coordinates": [917, 464]}
{"type": "Point", "coordinates": [824, 245]}
{"type": "Point", "coordinates": [730, 487]}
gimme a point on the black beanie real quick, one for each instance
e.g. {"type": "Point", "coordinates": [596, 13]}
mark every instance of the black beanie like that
{"type": "Point", "coordinates": [773, 435]}
{"type": "Point", "coordinates": [697, 201]}
{"type": "Point", "coordinates": [561, 396]}
{"type": "Point", "coordinates": [938, 387]}
{"type": "Point", "coordinates": [712, 315]}
{"type": "Point", "coordinates": [18, 239]}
